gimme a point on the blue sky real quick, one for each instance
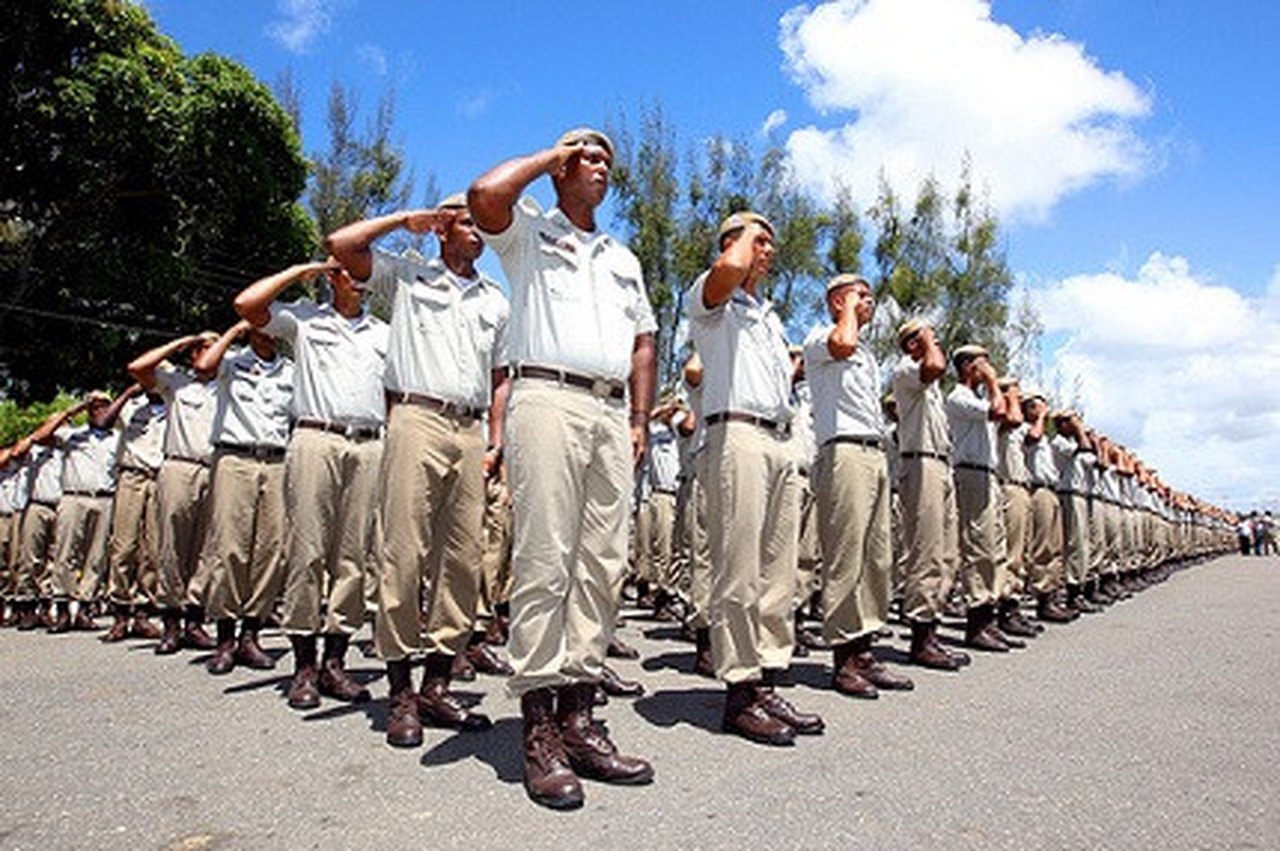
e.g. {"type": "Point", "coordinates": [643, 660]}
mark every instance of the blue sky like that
{"type": "Point", "coordinates": [1132, 149]}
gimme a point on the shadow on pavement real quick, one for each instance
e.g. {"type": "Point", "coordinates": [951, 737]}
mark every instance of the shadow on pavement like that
{"type": "Point", "coordinates": [500, 747]}
{"type": "Point", "coordinates": [697, 707]}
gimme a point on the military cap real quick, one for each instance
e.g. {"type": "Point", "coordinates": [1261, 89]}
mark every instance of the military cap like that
{"type": "Point", "coordinates": [848, 279]}
{"type": "Point", "coordinates": [741, 220]}
{"type": "Point", "coordinates": [586, 136]}
{"type": "Point", "coordinates": [456, 201]}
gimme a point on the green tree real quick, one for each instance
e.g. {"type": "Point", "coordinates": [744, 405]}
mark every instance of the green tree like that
{"type": "Point", "coordinates": [139, 189]}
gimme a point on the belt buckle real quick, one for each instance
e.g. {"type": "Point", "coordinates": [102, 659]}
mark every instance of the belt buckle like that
{"type": "Point", "coordinates": [782, 428]}
{"type": "Point", "coordinates": [601, 387]}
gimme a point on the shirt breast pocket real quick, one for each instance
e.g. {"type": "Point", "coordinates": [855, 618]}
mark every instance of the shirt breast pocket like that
{"type": "Point", "coordinates": [431, 309]}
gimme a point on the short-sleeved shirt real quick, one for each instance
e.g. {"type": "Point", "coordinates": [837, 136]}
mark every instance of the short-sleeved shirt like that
{"type": "Point", "coordinates": [692, 445]}
{"type": "Point", "coordinates": [664, 458]}
{"type": "Point", "coordinates": [578, 299]}
{"type": "Point", "coordinates": [803, 439]}
{"type": "Point", "coordinates": [191, 404]}
{"type": "Point", "coordinates": [17, 484]}
{"type": "Point", "coordinates": [338, 362]}
{"type": "Point", "coordinates": [46, 474]}
{"type": "Point", "coordinates": [846, 391]}
{"type": "Point", "coordinates": [922, 420]}
{"type": "Point", "coordinates": [447, 333]}
{"type": "Point", "coordinates": [1073, 473]}
{"type": "Point", "coordinates": [1012, 465]}
{"type": "Point", "coordinates": [1040, 464]}
{"type": "Point", "coordinates": [7, 474]}
{"type": "Point", "coordinates": [1109, 484]}
{"type": "Point", "coordinates": [973, 433]}
{"type": "Point", "coordinates": [743, 346]}
{"type": "Point", "coordinates": [142, 427]}
{"type": "Point", "coordinates": [254, 396]}
{"type": "Point", "coordinates": [89, 459]}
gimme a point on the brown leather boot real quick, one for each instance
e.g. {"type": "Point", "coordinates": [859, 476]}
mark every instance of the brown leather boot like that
{"type": "Point", "coordinates": [1012, 622]}
{"type": "Point", "coordinates": [772, 702]}
{"type": "Point", "coordinates": [978, 633]}
{"type": "Point", "coordinates": [303, 693]}
{"type": "Point", "coordinates": [223, 660]}
{"type": "Point", "coordinates": [703, 662]}
{"type": "Point", "coordinates": [193, 635]}
{"type": "Point", "coordinates": [548, 779]}
{"type": "Point", "coordinates": [846, 678]}
{"type": "Point", "coordinates": [404, 729]}
{"type": "Point", "coordinates": [249, 652]}
{"type": "Point", "coordinates": [438, 707]}
{"type": "Point", "coordinates": [618, 649]}
{"type": "Point", "coordinates": [926, 651]}
{"type": "Point", "coordinates": [1078, 600]}
{"type": "Point", "coordinates": [334, 681]}
{"type": "Point", "coordinates": [462, 669]}
{"type": "Point", "coordinates": [83, 621]}
{"type": "Point", "coordinates": [142, 627]}
{"type": "Point", "coordinates": [616, 686]}
{"type": "Point", "coordinates": [171, 637]}
{"type": "Point", "coordinates": [1094, 593]}
{"type": "Point", "coordinates": [485, 661]}
{"type": "Point", "coordinates": [744, 716]}
{"type": "Point", "coordinates": [1048, 610]}
{"type": "Point", "coordinates": [119, 630]}
{"type": "Point", "coordinates": [28, 616]}
{"type": "Point", "coordinates": [876, 672]}
{"type": "Point", "coordinates": [61, 617]}
{"type": "Point", "coordinates": [590, 752]}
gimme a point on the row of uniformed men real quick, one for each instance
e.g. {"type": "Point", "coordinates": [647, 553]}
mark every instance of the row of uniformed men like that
{"type": "Point", "coordinates": [565, 372]}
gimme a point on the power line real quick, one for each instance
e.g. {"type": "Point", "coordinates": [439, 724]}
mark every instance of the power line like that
{"type": "Point", "coordinates": [85, 320]}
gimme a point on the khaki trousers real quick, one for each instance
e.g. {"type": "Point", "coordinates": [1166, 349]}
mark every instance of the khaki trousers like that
{"type": "Point", "coordinates": [7, 576]}
{"type": "Point", "coordinates": [35, 549]}
{"type": "Point", "coordinates": [1017, 529]}
{"type": "Point", "coordinates": [182, 496]}
{"type": "Point", "coordinates": [433, 507]}
{"type": "Point", "coordinates": [638, 546]}
{"type": "Point", "coordinates": [899, 545]}
{"type": "Point", "coordinates": [1113, 536]}
{"type": "Point", "coordinates": [1097, 538]}
{"type": "Point", "coordinates": [662, 525]}
{"type": "Point", "coordinates": [697, 545]}
{"type": "Point", "coordinates": [808, 546]}
{"type": "Point", "coordinates": [1075, 536]}
{"type": "Point", "coordinates": [570, 472]}
{"type": "Point", "coordinates": [929, 530]}
{"type": "Point", "coordinates": [80, 546]}
{"type": "Point", "coordinates": [134, 548]}
{"type": "Point", "coordinates": [495, 560]}
{"type": "Point", "coordinates": [1044, 550]}
{"type": "Point", "coordinates": [245, 544]}
{"type": "Point", "coordinates": [330, 487]}
{"type": "Point", "coordinates": [982, 546]}
{"type": "Point", "coordinates": [753, 509]}
{"type": "Point", "coordinates": [851, 486]}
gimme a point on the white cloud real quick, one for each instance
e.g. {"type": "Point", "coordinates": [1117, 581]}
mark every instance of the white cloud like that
{"type": "Point", "coordinates": [1183, 369]}
{"type": "Point", "coordinates": [773, 121]}
{"type": "Point", "coordinates": [477, 103]}
{"type": "Point", "coordinates": [373, 56]}
{"type": "Point", "coordinates": [300, 23]}
{"type": "Point", "coordinates": [918, 83]}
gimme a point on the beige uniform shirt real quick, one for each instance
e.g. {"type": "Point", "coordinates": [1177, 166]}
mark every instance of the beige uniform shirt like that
{"type": "Point", "coordinates": [846, 393]}
{"type": "Point", "coordinates": [922, 421]}
{"type": "Point", "coordinates": [254, 396]}
{"type": "Point", "coordinates": [339, 363]}
{"type": "Point", "coordinates": [89, 459]}
{"type": "Point", "coordinates": [1013, 463]}
{"type": "Point", "coordinates": [17, 485]}
{"type": "Point", "coordinates": [746, 367]}
{"type": "Point", "coordinates": [142, 427]}
{"type": "Point", "coordinates": [1073, 473]}
{"type": "Point", "coordinates": [577, 299]}
{"type": "Point", "coordinates": [46, 474]}
{"type": "Point", "coordinates": [191, 403]}
{"type": "Point", "coordinates": [447, 333]}
{"type": "Point", "coordinates": [7, 476]}
{"type": "Point", "coordinates": [1040, 464]}
{"type": "Point", "coordinates": [663, 458]}
{"type": "Point", "coordinates": [973, 433]}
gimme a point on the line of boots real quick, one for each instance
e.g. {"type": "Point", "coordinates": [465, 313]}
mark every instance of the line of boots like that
{"type": "Point", "coordinates": [247, 651]}
{"type": "Point", "coordinates": [183, 630]}
{"type": "Point", "coordinates": [329, 677]}
{"type": "Point", "coordinates": [433, 705]}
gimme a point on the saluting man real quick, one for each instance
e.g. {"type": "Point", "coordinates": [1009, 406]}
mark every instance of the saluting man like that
{"type": "Point", "coordinates": [445, 362]}
{"type": "Point", "coordinates": [581, 353]}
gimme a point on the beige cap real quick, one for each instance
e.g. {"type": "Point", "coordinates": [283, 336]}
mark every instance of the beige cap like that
{"type": "Point", "coordinates": [457, 200]}
{"type": "Point", "coordinates": [1004, 382]}
{"type": "Point", "coordinates": [1032, 392]}
{"type": "Point", "coordinates": [847, 279]}
{"type": "Point", "coordinates": [1062, 414]}
{"type": "Point", "coordinates": [740, 220]}
{"type": "Point", "coordinates": [909, 328]}
{"type": "Point", "coordinates": [98, 397]}
{"type": "Point", "coordinates": [208, 337]}
{"type": "Point", "coordinates": [794, 350]}
{"type": "Point", "coordinates": [586, 136]}
{"type": "Point", "coordinates": [969, 350]}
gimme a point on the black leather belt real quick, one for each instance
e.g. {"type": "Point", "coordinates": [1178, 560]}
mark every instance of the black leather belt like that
{"type": "Point", "coordinates": [431, 403]}
{"type": "Point", "coordinates": [141, 471]}
{"type": "Point", "coordinates": [348, 431]}
{"type": "Point", "coordinates": [200, 461]}
{"type": "Point", "coordinates": [668, 493]}
{"type": "Point", "coordinates": [605, 388]}
{"type": "Point", "coordinates": [857, 440]}
{"type": "Point", "coordinates": [937, 456]}
{"type": "Point", "coordinates": [43, 502]}
{"type": "Point", "coordinates": [262, 453]}
{"type": "Point", "coordinates": [965, 465]}
{"type": "Point", "coordinates": [1026, 486]}
{"type": "Point", "coordinates": [94, 494]}
{"type": "Point", "coordinates": [750, 419]}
